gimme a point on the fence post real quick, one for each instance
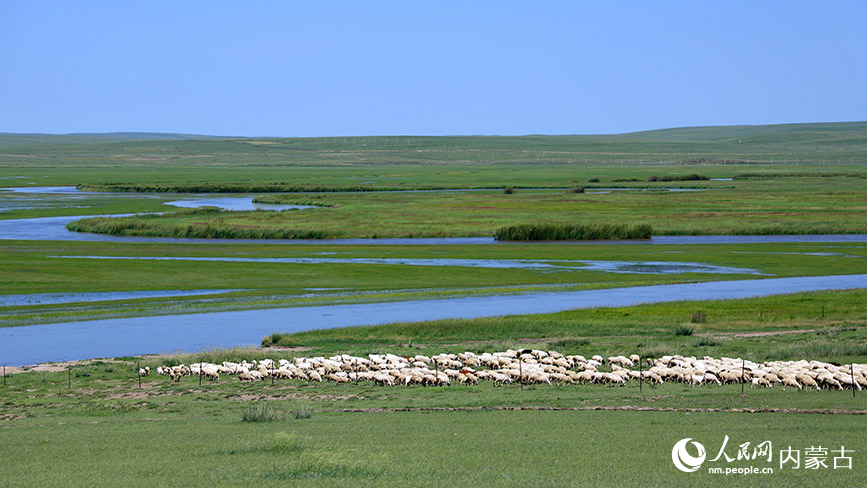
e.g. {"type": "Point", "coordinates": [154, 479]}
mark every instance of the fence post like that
{"type": "Point", "coordinates": [436, 372]}
{"type": "Point", "coordinates": [743, 367]}
{"type": "Point", "coordinates": [521, 370]}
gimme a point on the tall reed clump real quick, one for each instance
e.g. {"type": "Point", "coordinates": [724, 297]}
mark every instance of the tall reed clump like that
{"type": "Point", "coordinates": [573, 232]}
{"type": "Point", "coordinates": [213, 228]}
{"type": "Point", "coordinates": [689, 177]}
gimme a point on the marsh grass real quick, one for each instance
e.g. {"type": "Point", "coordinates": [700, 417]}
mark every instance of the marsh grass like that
{"type": "Point", "coordinates": [687, 177]}
{"type": "Point", "coordinates": [258, 224]}
{"type": "Point", "coordinates": [573, 232]}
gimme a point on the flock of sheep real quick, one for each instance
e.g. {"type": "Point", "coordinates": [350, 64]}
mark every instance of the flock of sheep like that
{"type": "Point", "coordinates": [531, 367]}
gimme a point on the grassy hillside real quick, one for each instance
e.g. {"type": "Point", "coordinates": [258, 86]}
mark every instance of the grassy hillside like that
{"type": "Point", "coordinates": [843, 142]}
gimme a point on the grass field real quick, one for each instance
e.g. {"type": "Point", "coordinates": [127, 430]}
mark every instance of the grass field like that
{"type": "Point", "coordinates": [90, 424]}
{"type": "Point", "coordinates": [792, 205]}
{"type": "Point", "coordinates": [69, 424]}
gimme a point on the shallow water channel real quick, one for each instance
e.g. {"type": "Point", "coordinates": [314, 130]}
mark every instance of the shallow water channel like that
{"type": "Point", "coordinates": [194, 332]}
{"type": "Point", "coordinates": [643, 267]}
{"type": "Point", "coordinates": [57, 298]}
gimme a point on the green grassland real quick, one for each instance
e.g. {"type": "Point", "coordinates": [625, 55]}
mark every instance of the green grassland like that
{"type": "Point", "coordinates": [90, 424]}
{"type": "Point", "coordinates": [130, 441]}
{"type": "Point", "coordinates": [781, 206]}
{"type": "Point", "coordinates": [94, 417]}
{"type": "Point", "coordinates": [450, 162]}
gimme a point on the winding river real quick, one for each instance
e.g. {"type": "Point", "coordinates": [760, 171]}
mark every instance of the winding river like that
{"type": "Point", "coordinates": [194, 332]}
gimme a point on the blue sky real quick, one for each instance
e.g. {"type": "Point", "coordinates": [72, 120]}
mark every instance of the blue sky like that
{"type": "Point", "coordinates": [427, 68]}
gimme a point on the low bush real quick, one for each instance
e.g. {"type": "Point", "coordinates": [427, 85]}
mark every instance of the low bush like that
{"type": "Point", "coordinates": [689, 177]}
{"type": "Point", "coordinates": [684, 331]}
{"type": "Point", "coordinates": [572, 232]}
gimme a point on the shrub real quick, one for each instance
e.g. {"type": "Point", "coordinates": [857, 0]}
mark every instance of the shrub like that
{"type": "Point", "coordinates": [572, 232]}
{"type": "Point", "coordinates": [684, 330]}
{"type": "Point", "coordinates": [508, 190]}
{"type": "Point", "coordinates": [593, 180]}
{"type": "Point", "coordinates": [706, 342]}
{"type": "Point", "coordinates": [273, 339]}
{"type": "Point", "coordinates": [575, 189]}
{"type": "Point", "coordinates": [689, 177]}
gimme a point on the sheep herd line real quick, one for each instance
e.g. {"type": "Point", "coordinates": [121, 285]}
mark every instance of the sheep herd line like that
{"type": "Point", "coordinates": [531, 367]}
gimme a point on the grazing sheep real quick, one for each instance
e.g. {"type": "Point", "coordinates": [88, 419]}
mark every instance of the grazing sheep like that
{"type": "Point", "coordinates": [790, 381]}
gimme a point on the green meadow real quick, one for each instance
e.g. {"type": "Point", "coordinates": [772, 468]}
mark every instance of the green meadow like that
{"type": "Point", "coordinates": [779, 206]}
{"type": "Point", "coordinates": [90, 423]}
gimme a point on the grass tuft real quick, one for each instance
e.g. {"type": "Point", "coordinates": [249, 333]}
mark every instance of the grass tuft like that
{"type": "Point", "coordinates": [260, 413]}
{"type": "Point", "coordinates": [684, 330]}
{"type": "Point", "coordinates": [303, 410]}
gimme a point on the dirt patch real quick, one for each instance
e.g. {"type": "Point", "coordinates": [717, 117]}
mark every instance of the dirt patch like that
{"type": "Point", "coordinates": [134, 395]}
{"type": "Point", "coordinates": [57, 367]}
{"type": "Point", "coordinates": [758, 333]}
{"type": "Point", "coordinates": [9, 416]}
{"type": "Point", "coordinates": [288, 348]}
{"type": "Point", "coordinates": [606, 407]}
{"type": "Point", "coordinates": [296, 396]}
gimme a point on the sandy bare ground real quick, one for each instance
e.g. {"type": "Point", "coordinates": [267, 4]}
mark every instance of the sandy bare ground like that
{"type": "Point", "coordinates": [56, 367]}
{"type": "Point", "coordinates": [765, 333]}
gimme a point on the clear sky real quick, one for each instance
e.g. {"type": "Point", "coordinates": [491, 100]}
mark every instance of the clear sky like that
{"type": "Point", "coordinates": [325, 68]}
